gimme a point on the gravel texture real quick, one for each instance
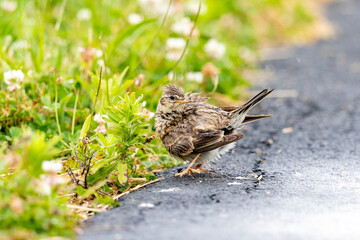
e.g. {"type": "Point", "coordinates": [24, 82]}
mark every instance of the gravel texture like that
{"type": "Point", "coordinates": [308, 155]}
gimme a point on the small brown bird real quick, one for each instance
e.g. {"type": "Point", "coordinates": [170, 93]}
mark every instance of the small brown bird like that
{"type": "Point", "coordinates": [198, 132]}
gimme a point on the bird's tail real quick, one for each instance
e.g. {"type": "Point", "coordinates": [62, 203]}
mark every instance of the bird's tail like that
{"type": "Point", "coordinates": [239, 117]}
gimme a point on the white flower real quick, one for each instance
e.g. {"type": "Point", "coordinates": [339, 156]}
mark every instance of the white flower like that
{"type": "Point", "coordinates": [84, 14]}
{"type": "Point", "coordinates": [171, 75]}
{"type": "Point", "coordinates": [184, 27]}
{"type": "Point", "coordinates": [155, 7]}
{"type": "Point", "coordinates": [101, 127]}
{"type": "Point", "coordinates": [135, 18]}
{"type": "Point", "coordinates": [175, 43]}
{"type": "Point", "coordinates": [81, 49]}
{"type": "Point", "coordinates": [20, 44]}
{"type": "Point", "coordinates": [52, 180]}
{"type": "Point", "coordinates": [98, 52]}
{"type": "Point", "coordinates": [175, 47]}
{"type": "Point", "coordinates": [101, 62]}
{"type": "Point", "coordinates": [192, 7]}
{"type": "Point", "coordinates": [99, 118]}
{"type": "Point", "coordinates": [91, 51]}
{"type": "Point", "coordinates": [13, 79]}
{"type": "Point", "coordinates": [51, 166]}
{"type": "Point", "coordinates": [148, 113]}
{"type": "Point", "coordinates": [195, 77]}
{"type": "Point", "coordinates": [8, 6]}
{"type": "Point", "coordinates": [214, 48]}
{"type": "Point", "coordinates": [45, 188]}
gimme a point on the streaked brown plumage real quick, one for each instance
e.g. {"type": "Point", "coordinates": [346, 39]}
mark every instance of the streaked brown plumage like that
{"type": "Point", "coordinates": [199, 132]}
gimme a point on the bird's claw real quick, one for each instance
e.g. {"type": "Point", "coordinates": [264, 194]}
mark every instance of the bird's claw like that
{"type": "Point", "coordinates": [187, 171]}
{"type": "Point", "coordinates": [205, 170]}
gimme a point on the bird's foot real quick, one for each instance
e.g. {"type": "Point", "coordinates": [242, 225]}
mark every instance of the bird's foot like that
{"type": "Point", "coordinates": [205, 170]}
{"type": "Point", "coordinates": [187, 171]}
{"type": "Point", "coordinates": [199, 166]}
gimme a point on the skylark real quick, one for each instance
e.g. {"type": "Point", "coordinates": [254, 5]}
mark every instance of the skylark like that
{"type": "Point", "coordinates": [198, 132]}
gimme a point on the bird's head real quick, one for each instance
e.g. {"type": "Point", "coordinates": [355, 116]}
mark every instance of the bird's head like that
{"type": "Point", "coordinates": [172, 99]}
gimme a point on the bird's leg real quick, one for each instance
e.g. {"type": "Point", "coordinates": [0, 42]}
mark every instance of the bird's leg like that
{"type": "Point", "coordinates": [189, 168]}
{"type": "Point", "coordinates": [199, 166]}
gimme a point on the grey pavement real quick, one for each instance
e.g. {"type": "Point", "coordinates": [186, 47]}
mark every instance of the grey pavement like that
{"type": "Point", "coordinates": [308, 155]}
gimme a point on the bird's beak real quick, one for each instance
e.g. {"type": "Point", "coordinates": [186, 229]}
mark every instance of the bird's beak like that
{"type": "Point", "coordinates": [182, 101]}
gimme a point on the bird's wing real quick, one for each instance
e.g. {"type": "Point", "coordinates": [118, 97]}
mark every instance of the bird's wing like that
{"type": "Point", "coordinates": [209, 139]}
{"type": "Point", "coordinates": [181, 146]}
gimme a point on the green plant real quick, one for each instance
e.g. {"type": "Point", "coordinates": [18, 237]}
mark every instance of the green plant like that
{"type": "Point", "coordinates": [126, 122]}
{"type": "Point", "coordinates": [30, 205]}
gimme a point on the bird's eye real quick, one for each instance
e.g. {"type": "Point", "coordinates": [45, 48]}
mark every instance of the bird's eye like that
{"type": "Point", "coordinates": [172, 98]}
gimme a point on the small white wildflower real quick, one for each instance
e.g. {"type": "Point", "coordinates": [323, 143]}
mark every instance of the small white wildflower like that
{"type": "Point", "coordinates": [51, 166]}
{"type": "Point", "coordinates": [101, 62]}
{"type": "Point", "coordinates": [20, 44]}
{"type": "Point", "coordinates": [173, 55]}
{"type": "Point", "coordinates": [99, 118]}
{"type": "Point", "coordinates": [45, 188]}
{"type": "Point", "coordinates": [84, 14]}
{"type": "Point", "coordinates": [214, 49]}
{"type": "Point", "coordinates": [13, 79]}
{"type": "Point", "coordinates": [192, 7]}
{"type": "Point", "coordinates": [98, 52]}
{"type": "Point", "coordinates": [155, 7]}
{"type": "Point", "coordinates": [175, 43]}
{"type": "Point", "coordinates": [81, 49]}
{"type": "Point", "coordinates": [89, 54]}
{"type": "Point", "coordinates": [195, 77]}
{"type": "Point", "coordinates": [135, 18]}
{"type": "Point", "coordinates": [7, 41]}
{"type": "Point", "coordinates": [8, 6]}
{"type": "Point", "coordinates": [171, 75]}
{"type": "Point", "coordinates": [174, 46]}
{"type": "Point", "coordinates": [101, 127]}
{"type": "Point", "coordinates": [146, 205]}
{"type": "Point", "coordinates": [147, 112]}
{"type": "Point", "coordinates": [91, 51]}
{"type": "Point", "coordinates": [184, 27]}
{"type": "Point", "coordinates": [52, 180]}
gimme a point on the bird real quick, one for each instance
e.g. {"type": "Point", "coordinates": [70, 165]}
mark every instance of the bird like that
{"type": "Point", "coordinates": [198, 132]}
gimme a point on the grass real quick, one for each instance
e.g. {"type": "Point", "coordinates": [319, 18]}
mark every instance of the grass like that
{"type": "Point", "coordinates": [91, 73]}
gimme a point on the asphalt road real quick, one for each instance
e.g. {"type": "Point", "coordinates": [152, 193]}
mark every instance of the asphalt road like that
{"type": "Point", "coordinates": [310, 185]}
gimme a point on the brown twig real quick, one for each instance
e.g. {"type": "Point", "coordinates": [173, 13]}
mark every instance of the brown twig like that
{"type": "Point", "coordinates": [136, 188]}
{"type": "Point", "coordinates": [87, 167]}
{"type": "Point", "coordinates": [72, 176]}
